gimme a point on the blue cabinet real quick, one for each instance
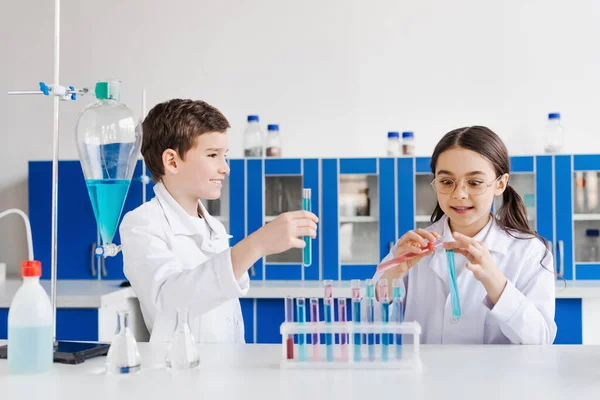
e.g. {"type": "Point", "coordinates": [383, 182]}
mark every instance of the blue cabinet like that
{"type": "Point", "coordinates": [71, 324]}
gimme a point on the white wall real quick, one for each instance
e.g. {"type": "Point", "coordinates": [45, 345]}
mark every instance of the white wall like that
{"type": "Point", "coordinates": [336, 74]}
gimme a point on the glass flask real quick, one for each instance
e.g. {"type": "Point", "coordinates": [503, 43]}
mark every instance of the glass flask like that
{"type": "Point", "coordinates": [123, 356]}
{"type": "Point", "coordinates": [109, 136]}
{"type": "Point", "coordinates": [182, 352]}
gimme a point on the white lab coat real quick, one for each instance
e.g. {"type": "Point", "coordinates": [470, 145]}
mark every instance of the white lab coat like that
{"type": "Point", "coordinates": [524, 314]}
{"type": "Point", "coordinates": [174, 260]}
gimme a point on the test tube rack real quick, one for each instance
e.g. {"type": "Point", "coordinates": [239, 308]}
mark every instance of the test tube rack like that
{"type": "Point", "coordinates": [409, 360]}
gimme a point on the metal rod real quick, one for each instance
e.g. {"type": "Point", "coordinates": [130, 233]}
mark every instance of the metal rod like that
{"type": "Point", "coordinates": [23, 92]}
{"type": "Point", "coordinates": [56, 99]}
{"type": "Point", "coordinates": [143, 161]}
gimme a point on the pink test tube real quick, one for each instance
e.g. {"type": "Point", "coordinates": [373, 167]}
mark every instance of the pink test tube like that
{"type": "Point", "coordinates": [343, 336]}
{"type": "Point", "coordinates": [328, 286]}
{"type": "Point", "coordinates": [314, 318]}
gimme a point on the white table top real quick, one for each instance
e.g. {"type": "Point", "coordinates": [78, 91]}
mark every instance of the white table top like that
{"type": "Point", "coordinates": [252, 372]}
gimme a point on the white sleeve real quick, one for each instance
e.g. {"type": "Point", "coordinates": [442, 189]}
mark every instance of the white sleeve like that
{"type": "Point", "coordinates": [159, 279]}
{"type": "Point", "coordinates": [525, 310]}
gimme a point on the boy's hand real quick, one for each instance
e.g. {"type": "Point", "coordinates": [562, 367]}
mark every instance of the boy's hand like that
{"type": "Point", "coordinates": [286, 231]}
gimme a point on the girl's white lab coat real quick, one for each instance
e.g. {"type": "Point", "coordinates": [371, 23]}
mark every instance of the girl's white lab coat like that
{"type": "Point", "coordinates": [524, 314]}
{"type": "Point", "coordinates": [173, 260]}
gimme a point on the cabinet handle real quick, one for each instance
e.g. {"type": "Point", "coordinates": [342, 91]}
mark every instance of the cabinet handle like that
{"type": "Point", "coordinates": [561, 256]}
{"type": "Point", "coordinates": [93, 260]}
{"type": "Point", "coordinates": [102, 266]}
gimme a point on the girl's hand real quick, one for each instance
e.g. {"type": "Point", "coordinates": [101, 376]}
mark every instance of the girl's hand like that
{"type": "Point", "coordinates": [416, 241]}
{"type": "Point", "coordinates": [481, 264]}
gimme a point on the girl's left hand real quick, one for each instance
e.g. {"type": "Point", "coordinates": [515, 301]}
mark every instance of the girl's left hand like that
{"type": "Point", "coordinates": [481, 264]}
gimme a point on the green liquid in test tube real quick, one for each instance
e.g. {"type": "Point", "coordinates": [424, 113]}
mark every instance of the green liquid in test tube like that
{"type": "Point", "coordinates": [307, 251]}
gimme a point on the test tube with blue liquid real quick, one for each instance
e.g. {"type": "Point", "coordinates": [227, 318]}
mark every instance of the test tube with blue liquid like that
{"type": "Point", "coordinates": [371, 317]}
{"type": "Point", "coordinates": [301, 318]}
{"type": "Point", "coordinates": [328, 311]}
{"type": "Point", "coordinates": [307, 251]}
{"type": "Point", "coordinates": [314, 318]}
{"type": "Point", "coordinates": [397, 313]}
{"type": "Point", "coordinates": [343, 336]}
{"type": "Point", "coordinates": [382, 292]}
{"type": "Point", "coordinates": [355, 284]}
{"type": "Point", "coordinates": [453, 286]}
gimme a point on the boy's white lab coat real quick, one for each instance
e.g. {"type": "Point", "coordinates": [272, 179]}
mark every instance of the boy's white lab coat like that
{"type": "Point", "coordinates": [524, 314]}
{"type": "Point", "coordinates": [173, 260]}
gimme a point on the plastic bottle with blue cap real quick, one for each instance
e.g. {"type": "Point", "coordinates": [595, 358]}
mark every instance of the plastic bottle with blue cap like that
{"type": "Point", "coordinates": [273, 141]}
{"type": "Point", "coordinates": [554, 134]}
{"type": "Point", "coordinates": [253, 138]}
{"type": "Point", "coordinates": [393, 144]}
{"type": "Point", "coordinates": [408, 144]}
{"type": "Point", "coordinates": [592, 246]}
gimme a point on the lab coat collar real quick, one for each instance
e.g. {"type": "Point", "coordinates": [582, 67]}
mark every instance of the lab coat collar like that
{"type": "Point", "coordinates": [179, 220]}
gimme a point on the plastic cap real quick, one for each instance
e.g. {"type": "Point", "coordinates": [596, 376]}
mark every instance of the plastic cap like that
{"type": "Point", "coordinates": [31, 268]}
{"type": "Point", "coordinates": [408, 135]}
{"type": "Point", "coordinates": [273, 127]}
{"type": "Point", "coordinates": [393, 134]}
{"type": "Point", "coordinates": [592, 232]}
{"type": "Point", "coordinates": [101, 90]}
{"type": "Point", "coordinates": [554, 116]}
{"type": "Point", "coordinates": [252, 118]}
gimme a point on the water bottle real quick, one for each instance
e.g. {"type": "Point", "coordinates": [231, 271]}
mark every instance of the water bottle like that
{"type": "Point", "coordinates": [393, 144]}
{"type": "Point", "coordinates": [592, 245]}
{"type": "Point", "coordinates": [554, 134]}
{"type": "Point", "coordinates": [30, 335]}
{"type": "Point", "coordinates": [253, 138]}
{"type": "Point", "coordinates": [273, 141]}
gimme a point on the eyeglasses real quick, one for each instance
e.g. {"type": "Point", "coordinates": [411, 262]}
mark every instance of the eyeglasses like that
{"type": "Point", "coordinates": [472, 186]}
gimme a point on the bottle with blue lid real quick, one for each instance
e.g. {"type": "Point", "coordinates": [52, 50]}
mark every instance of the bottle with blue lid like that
{"type": "Point", "coordinates": [554, 134]}
{"type": "Point", "coordinates": [408, 143]}
{"type": "Point", "coordinates": [393, 144]}
{"type": "Point", "coordinates": [273, 141]}
{"type": "Point", "coordinates": [592, 245]}
{"type": "Point", "coordinates": [253, 138]}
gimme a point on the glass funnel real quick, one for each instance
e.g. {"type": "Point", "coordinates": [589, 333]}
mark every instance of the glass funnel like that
{"type": "Point", "coordinates": [109, 136]}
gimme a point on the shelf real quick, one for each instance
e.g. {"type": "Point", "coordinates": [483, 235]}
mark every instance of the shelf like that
{"type": "Point", "coordinates": [359, 219]}
{"type": "Point", "coordinates": [586, 217]}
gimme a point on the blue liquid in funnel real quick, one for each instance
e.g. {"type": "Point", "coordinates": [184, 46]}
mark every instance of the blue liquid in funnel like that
{"type": "Point", "coordinates": [108, 198]}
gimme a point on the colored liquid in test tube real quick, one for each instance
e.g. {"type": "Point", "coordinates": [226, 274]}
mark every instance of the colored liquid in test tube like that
{"type": "Point", "coordinates": [314, 318]}
{"type": "Point", "coordinates": [343, 336]}
{"type": "Point", "coordinates": [328, 311]}
{"type": "Point", "coordinates": [301, 317]}
{"type": "Point", "coordinates": [397, 313]}
{"type": "Point", "coordinates": [289, 317]}
{"type": "Point", "coordinates": [382, 291]}
{"type": "Point", "coordinates": [307, 251]}
{"type": "Point", "coordinates": [453, 286]}
{"type": "Point", "coordinates": [371, 317]}
{"type": "Point", "coordinates": [356, 318]}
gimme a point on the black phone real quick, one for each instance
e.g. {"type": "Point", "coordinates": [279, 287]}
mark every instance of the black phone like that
{"type": "Point", "coordinates": [72, 352]}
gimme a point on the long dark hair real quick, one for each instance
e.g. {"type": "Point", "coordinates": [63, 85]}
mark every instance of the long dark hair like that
{"type": "Point", "coordinates": [512, 216]}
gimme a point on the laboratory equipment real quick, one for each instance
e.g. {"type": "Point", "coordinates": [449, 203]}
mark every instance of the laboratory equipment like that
{"type": "Point", "coordinates": [301, 318]}
{"type": "Point", "coordinates": [382, 292]}
{"type": "Point", "coordinates": [408, 144]}
{"type": "Point", "coordinates": [393, 144]}
{"type": "Point", "coordinates": [328, 311]}
{"type": "Point", "coordinates": [109, 136]}
{"type": "Point", "coordinates": [404, 257]}
{"type": "Point", "coordinates": [453, 286]}
{"type": "Point", "coordinates": [307, 250]}
{"type": "Point", "coordinates": [30, 342]}
{"type": "Point", "coordinates": [554, 134]}
{"type": "Point", "coordinates": [123, 356]}
{"type": "Point", "coordinates": [273, 141]}
{"type": "Point", "coordinates": [371, 317]}
{"type": "Point", "coordinates": [356, 317]}
{"type": "Point", "coordinates": [591, 182]}
{"type": "Point", "coordinates": [289, 317]}
{"type": "Point", "coordinates": [253, 138]}
{"type": "Point", "coordinates": [397, 313]}
{"type": "Point", "coordinates": [182, 352]}
{"type": "Point", "coordinates": [343, 337]}
{"type": "Point", "coordinates": [314, 318]}
{"type": "Point", "coordinates": [592, 245]}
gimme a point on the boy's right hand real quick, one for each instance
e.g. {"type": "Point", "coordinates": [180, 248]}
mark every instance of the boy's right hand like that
{"type": "Point", "coordinates": [286, 231]}
{"type": "Point", "coordinates": [415, 241]}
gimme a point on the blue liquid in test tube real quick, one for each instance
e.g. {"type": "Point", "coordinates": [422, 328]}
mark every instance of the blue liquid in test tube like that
{"type": "Point", "coordinates": [397, 313]}
{"type": "Point", "coordinates": [328, 316]}
{"type": "Point", "coordinates": [307, 251]}
{"type": "Point", "coordinates": [453, 285]}
{"type": "Point", "coordinates": [355, 283]}
{"type": "Point", "coordinates": [301, 318]}
{"type": "Point", "coordinates": [371, 317]}
{"type": "Point", "coordinates": [382, 290]}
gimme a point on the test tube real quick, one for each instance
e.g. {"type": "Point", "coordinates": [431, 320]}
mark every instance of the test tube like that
{"type": "Point", "coordinates": [453, 286]}
{"type": "Point", "coordinates": [382, 291]}
{"type": "Point", "coordinates": [397, 313]}
{"type": "Point", "coordinates": [371, 317]}
{"type": "Point", "coordinates": [289, 317]}
{"type": "Point", "coordinates": [343, 336]}
{"type": "Point", "coordinates": [328, 311]}
{"type": "Point", "coordinates": [355, 284]}
{"type": "Point", "coordinates": [307, 251]}
{"type": "Point", "coordinates": [301, 317]}
{"type": "Point", "coordinates": [314, 318]}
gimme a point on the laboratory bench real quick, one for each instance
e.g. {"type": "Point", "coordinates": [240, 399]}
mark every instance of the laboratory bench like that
{"type": "Point", "coordinates": [252, 371]}
{"type": "Point", "coordinates": [87, 309]}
